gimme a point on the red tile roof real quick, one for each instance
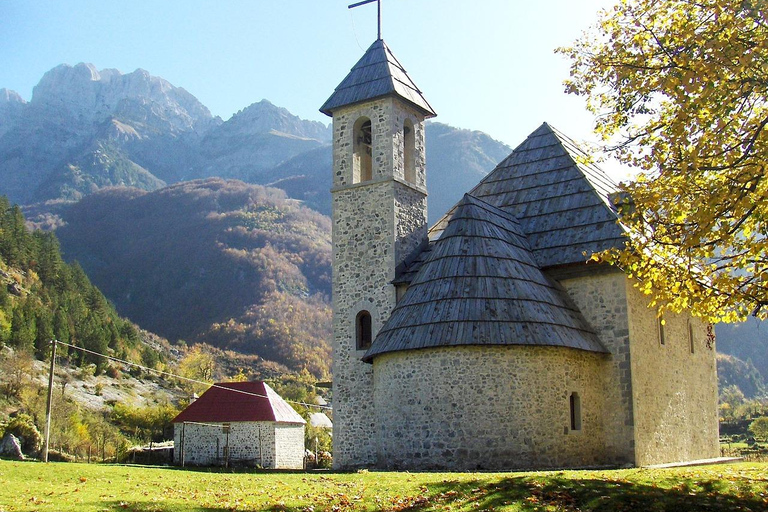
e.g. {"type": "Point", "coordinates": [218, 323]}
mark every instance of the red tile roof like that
{"type": "Point", "coordinates": [239, 401]}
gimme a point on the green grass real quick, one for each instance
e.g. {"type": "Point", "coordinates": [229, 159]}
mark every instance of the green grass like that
{"type": "Point", "coordinates": [35, 486]}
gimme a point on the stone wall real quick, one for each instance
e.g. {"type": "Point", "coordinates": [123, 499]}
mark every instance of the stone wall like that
{"type": "Point", "coordinates": [675, 389]}
{"type": "Point", "coordinates": [251, 443]}
{"type": "Point", "coordinates": [601, 297]}
{"type": "Point", "coordinates": [376, 225]}
{"type": "Point", "coordinates": [489, 407]}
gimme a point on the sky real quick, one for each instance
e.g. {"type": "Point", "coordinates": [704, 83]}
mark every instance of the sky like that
{"type": "Point", "coordinates": [485, 65]}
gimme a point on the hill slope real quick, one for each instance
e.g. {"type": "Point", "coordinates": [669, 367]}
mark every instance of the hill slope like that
{"type": "Point", "coordinates": [42, 298]}
{"type": "Point", "coordinates": [238, 266]}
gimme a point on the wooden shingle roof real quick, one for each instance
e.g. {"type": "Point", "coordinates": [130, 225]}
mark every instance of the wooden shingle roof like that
{"type": "Point", "coordinates": [239, 401]}
{"type": "Point", "coordinates": [378, 73]}
{"type": "Point", "coordinates": [480, 285]}
{"type": "Point", "coordinates": [560, 200]}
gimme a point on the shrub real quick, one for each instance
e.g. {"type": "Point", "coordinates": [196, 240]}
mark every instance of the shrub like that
{"type": "Point", "coordinates": [759, 428]}
{"type": "Point", "coordinates": [23, 427]}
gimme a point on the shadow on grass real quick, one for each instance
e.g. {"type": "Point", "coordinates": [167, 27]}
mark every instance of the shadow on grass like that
{"type": "Point", "coordinates": [532, 493]}
{"type": "Point", "coordinates": [526, 494]}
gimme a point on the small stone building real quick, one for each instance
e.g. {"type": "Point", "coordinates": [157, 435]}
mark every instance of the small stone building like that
{"type": "Point", "coordinates": [488, 341]}
{"type": "Point", "coordinates": [239, 423]}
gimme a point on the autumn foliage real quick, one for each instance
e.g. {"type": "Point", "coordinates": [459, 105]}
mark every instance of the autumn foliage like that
{"type": "Point", "coordinates": [679, 89]}
{"type": "Point", "coordinates": [239, 267]}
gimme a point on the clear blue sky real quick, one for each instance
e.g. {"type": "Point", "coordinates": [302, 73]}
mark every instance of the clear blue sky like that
{"type": "Point", "coordinates": [485, 64]}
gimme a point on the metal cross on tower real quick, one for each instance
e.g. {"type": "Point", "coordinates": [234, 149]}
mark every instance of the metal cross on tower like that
{"type": "Point", "coordinates": [378, 2]}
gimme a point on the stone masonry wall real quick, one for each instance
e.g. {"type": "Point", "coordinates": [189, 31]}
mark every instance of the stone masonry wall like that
{"type": "Point", "coordinates": [603, 302]}
{"type": "Point", "coordinates": [376, 224]}
{"type": "Point", "coordinates": [251, 443]}
{"type": "Point", "coordinates": [675, 390]}
{"type": "Point", "coordinates": [489, 407]}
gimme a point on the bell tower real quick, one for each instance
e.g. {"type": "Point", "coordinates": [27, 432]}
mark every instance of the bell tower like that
{"type": "Point", "coordinates": [379, 215]}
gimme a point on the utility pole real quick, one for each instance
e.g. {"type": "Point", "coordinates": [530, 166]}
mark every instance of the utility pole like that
{"type": "Point", "coordinates": [50, 398]}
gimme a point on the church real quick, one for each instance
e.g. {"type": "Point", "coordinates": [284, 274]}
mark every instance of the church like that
{"type": "Point", "coordinates": [488, 341]}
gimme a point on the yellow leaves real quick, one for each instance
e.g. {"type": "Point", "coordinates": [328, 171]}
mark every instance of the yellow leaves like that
{"type": "Point", "coordinates": [682, 82]}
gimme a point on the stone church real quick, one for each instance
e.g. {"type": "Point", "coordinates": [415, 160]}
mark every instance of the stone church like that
{"type": "Point", "coordinates": [487, 341]}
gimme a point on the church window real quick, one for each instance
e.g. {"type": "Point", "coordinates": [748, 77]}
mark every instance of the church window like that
{"type": "Point", "coordinates": [660, 326]}
{"type": "Point", "coordinates": [575, 407]}
{"type": "Point", "coordinates": [409, 151]}
{"type": "Point", "coordinates": [363, 331]}
{"type": "Point", "coordinates": [691, 339]}
{"type": "Point", "coordinates": [362, 159]}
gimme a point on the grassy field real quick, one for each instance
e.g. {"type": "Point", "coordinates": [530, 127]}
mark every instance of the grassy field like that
{"type": "Point", "coordinates": [34, 486]}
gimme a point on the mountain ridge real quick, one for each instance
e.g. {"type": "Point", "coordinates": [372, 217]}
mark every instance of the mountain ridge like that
{"type": "Point", "coordinates": [160, 134]}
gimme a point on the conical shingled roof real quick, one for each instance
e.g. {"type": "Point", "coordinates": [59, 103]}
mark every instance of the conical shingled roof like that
{"type": "Point", "coordinates": [376, 74]}
{"type": "Point", "coordinates": [560, 200]}
{"type": "Point", "coordinates": [481, 285]}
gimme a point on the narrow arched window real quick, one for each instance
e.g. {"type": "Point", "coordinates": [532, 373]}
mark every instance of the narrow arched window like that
{"type": "Point", "coordinates": [575, 407]}
{"type": "Point", "coordinates": [362, 158]}
{"type": "Point", "coordinates": [691, 338]}
{"type": "Point", "coordinates": [660, 327]}
{"type": "Point", "coordinates": [363, 330]}
{"type": "Point", "coordinates": [409, 151]}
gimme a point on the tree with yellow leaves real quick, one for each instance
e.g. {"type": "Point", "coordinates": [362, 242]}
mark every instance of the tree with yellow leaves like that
{"type": "Point", "coordinates": [680, 92]}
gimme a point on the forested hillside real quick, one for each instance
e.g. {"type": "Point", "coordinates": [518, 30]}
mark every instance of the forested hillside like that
{"type": "Point", "coordinates": [238, 266]}
{"type": "Point", "coordinates": [42, 297]}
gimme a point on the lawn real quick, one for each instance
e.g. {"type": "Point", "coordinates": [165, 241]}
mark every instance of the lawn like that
{"type": "Point", "coordinates": [35, 486]}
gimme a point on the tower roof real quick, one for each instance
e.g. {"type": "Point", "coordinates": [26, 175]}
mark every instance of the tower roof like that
{"type": "Point", "coordinates": [239, 401]}
{"type": "Point", "coordinates": [378, 73]}
{"type": "Point", "coordinates": [481, 285]}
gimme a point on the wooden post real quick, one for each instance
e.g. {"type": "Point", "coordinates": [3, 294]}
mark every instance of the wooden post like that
{"type": "Point", "coordinates": [261, 450]}
{"type": "Point", "coordinates": [225, 428]}
{"type": "Point", "coordinates": [181, 456]}
{"type": "Point", "coordinates": [50, 399]}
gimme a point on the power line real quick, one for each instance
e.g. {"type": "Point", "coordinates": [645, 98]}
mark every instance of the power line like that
{"type": "Point", "coordinates": [181, 377]}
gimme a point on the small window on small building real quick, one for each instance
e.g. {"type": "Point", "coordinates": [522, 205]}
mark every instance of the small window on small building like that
{"type": "Point", "coordinates": [409, 151]}
{"type": "Point", "coordinates": [691, 339]}
{"type": "Point", "coordinates": [362, 144]}
{"type": "Point", "coordinates": [575, 411]}
{"type": "Point", "coordinates": [363, 330]}
{"type": "Point", "coordinates": [661, 322]}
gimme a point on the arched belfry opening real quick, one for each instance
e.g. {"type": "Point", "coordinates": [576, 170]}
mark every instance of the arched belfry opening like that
{"type": "Point", "coordinates": [362, 158]}
{"type": "Point", "coordinates": [409, 151]}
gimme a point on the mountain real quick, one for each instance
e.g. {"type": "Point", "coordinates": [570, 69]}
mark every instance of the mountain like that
{"type": "Point", "coordinates": [42, 298]}
{"type": "Point", "coordinates": [457, 160]}
{"type": "Point", "coordinates": [732, 371]}
{"type": "Point", "coordinates": [85, 130]}
{"type": "Point", "coordinates": [74, 110]}
{"type": "Point", "coordinates": [11, 105]}
{"type": "Point", "coordinates": [241, 267]}
{"type": "Point", "coordinates": [255, 140]}
{"type": "Point", "coordinates": [747, 341]}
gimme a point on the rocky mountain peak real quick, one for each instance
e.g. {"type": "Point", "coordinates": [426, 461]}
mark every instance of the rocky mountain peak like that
{"type": "Point", "coordinates": [90, 96]}
{"type": "Point", "coordinates": [11, 105]}
{"type": "Point", "coordinates": [264, 117]}
{"type": "Point", "coordinates": [9, 96]}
